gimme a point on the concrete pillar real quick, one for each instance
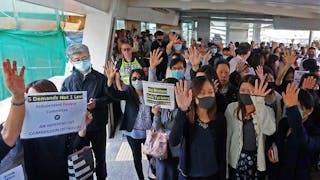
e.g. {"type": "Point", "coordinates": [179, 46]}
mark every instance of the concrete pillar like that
{"type": "Point", "coordinates": [256, 32]}
{"type": "Point", "coordinates": [97, 36]}
{"type": "Point", "coordinates": [203, 30]}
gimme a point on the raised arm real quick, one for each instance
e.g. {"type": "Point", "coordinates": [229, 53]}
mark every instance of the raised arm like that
{"type": "Point", "coordinates": [15, 84]}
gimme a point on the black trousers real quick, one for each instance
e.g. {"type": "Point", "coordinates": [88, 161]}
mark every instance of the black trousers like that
{"type": "Point", "coordinates": [135, 145]}
{"type": "Point", "coordinates": [98, 141]}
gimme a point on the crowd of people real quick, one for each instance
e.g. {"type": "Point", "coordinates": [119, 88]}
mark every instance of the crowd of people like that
{"type": "Point", "coordinates": [240, 113]}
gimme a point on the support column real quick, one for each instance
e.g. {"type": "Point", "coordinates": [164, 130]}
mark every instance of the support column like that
{"type": "Point", "coordinates": [256, 32]}
{"type": "Point", "coordinates": [97, 36]}
{"type": "Point", "coordinates": [203, 30]}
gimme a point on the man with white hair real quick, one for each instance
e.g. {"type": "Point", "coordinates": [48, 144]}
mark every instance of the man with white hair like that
{"type": "Point", "coordinates": [85, 78]}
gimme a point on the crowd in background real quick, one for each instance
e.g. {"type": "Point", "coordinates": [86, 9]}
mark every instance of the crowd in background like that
{"type": "Point", "coordinates": [240, 111]}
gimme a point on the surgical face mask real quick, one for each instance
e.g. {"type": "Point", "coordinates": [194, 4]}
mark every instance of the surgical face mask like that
{"type": "Point", "coordinates": [178, 47]}
{"type": "Point", "coordinates": [225, 56]}
{"type": "Point", "coordinates": [206, 102]}
{"type": "Point", "coordinates": [137, 84]}
{"type": "Point", "coordinates": [178, 74]}
{"type": "Point", "coordinates": [311, 55]}
{"type": "Point", "coordinates": [214, 50]}
{"type": "Point", "coordinates": [82, 66]}
{"type": "Point", "coordinates": [245, 99]}
{"type": "Point", "coordinates": [271, 85]}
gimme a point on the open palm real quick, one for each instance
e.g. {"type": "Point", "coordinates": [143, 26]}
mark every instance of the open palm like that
{"type": "Point", "coordinates": [183, 95]}
{"type": "Point", "coordinates": [13, 81]}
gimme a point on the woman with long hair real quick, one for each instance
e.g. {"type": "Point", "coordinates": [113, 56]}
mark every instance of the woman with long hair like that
{"type": "Point", "coordinates": [200, 130]}
{"type": "Point", "coordinates": [248, 121]}
{"type": "Point", "coordinates": [137, 116]}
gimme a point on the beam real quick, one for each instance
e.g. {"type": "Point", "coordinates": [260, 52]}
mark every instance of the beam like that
{"type": "Point", "coordinates": [234, 6]}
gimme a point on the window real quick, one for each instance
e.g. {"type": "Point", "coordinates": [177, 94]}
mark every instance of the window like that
{"type": "Point", "coordinates": [151, 26]}
{"type": "Point", "coordinates": [218, 28]}
{"type": "Point", "coordinates": [120, 24]}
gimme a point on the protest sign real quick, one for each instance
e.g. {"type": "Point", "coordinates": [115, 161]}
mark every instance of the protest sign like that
{"type": "Point", "coordinates": [297, 76]}
{"type": "Point", "coordinates": [159, 94]}
{"type": "Point", "coordinates": [50, 114]}
{"type": "Point", "coordinates": [13, 174]}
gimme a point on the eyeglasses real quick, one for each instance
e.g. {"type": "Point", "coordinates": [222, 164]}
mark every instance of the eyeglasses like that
{"type": "Point", "coordinates": [79, 59]}
{"type": "Point", "coordinates": [126, 49]}
{"type": "Point", "coordinates": [135, 78]}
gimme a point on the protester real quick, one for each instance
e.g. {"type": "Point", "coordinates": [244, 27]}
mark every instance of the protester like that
{"type": "Point", "coordinates": [14, 82]}
{"type": "Point", "coordinates": [201, 131]}
{"type": "Point", "coordinates": [85, 78]}
{"type": "Point", "coordinates": [137, 116]}
{"type": "Point", "coordinates": [248, 121]}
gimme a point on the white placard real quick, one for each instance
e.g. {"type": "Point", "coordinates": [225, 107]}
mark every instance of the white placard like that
{"type": "Point", "coordinates": [50, 114]}
{"type": "Point", "coordinates": [13, 174]}
{"type": "Point", "coordinates": [297, 76]}
{"type": "Point", "coordinates": [159, 94]}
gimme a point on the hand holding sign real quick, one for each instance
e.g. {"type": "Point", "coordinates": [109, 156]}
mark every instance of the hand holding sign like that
{"type": "Point", "coordinates": [183, 95]}
{"type": "Point", "coordinates": [91, 104]}
{"type": "Point", "coordinates": [89, 118]}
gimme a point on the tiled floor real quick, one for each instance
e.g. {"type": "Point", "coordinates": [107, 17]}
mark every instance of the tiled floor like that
{"type": "Point", "coordinates": [120, 161]}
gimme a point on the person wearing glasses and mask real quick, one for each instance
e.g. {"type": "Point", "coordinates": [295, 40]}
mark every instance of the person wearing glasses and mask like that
{"type": "Point", "coordinates": [85, 78]}
{"type": "Point", "coordinates": [137, 116]}
{"type": "Point", "coordinates": [126, 65]}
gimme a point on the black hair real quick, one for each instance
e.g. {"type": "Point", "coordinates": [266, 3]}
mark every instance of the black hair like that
{"type": "Point", "coordinates": [243, 48]}
{"type": "Point", "coordinates": [226, 49]}
{"type": "Point", "coordinates": [221, 62]}
{"type": "Point", "coordinates": [142, 77]}
{"type": "Point", "coordinates": [208, 70]}
{"type": "Point", "coordinates": [312, 48]}
{"type": "Point", "coordinates": [254, 60]}
{"type": "Point", "coordinates": [271, 61]}
{"type": "Point", "coordinates": [268, 70]}
{"type": "Point", "coordinates": [305, 76]}
{"type": "Point", "coordinates": [171, 80]}
{"type": "Point", "coordinates": [158, 33]}
{"type": "Point", "coordinates": [306, 99]}
{"type": "Point", "coordinates": [176, 61]}
{"type": "Point", "coordinates": [251, 79]}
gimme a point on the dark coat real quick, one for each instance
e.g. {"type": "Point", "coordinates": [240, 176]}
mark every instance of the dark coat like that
{"type": "Point", "coordinates": [95, 85]}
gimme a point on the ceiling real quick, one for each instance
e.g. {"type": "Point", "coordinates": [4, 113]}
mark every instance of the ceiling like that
{"type": "Point", "coordinates": [289, 8]}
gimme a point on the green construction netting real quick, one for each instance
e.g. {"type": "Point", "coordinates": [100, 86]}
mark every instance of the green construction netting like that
{"type": "Point", "coordinates": [42, 52]}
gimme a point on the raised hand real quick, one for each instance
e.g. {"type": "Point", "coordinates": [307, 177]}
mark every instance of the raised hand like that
{"type": "Point", "coordinates": [289, 57]}
{"type": "Point", "coordinates": [194, 56]}
{"type": "Point", "coordinates": [260, 89]}
{"type": "Point", "coordinates": [259, 72]}
{"type": "Point", "coordinates": [309, 83]}
{"type": "Point", "coordinates": [290, 97]}
{"type": "Point", "coordinates": [207, 56]}
{"type": "Point", "coordinates": [13, 81]}
{"type": "Point", "coordinates": [183, 95]}
{"type": "Point", "coordinates": [155, 58]}
{"type": "Point", "coordinates": [110, 72]}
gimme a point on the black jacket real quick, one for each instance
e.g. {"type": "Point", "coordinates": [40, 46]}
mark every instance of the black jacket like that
{"type": "Point", "coordinates": [47, 157]}
{"type": "Point", "coordinates": [95, 85]}
{"type": "Point", "coordinates": [132, 106]}
{"type": "Point", "coordinates": [223, 100]}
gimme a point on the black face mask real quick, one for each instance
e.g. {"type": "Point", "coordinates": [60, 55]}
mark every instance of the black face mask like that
{"type": "Point", "coordinates": [206, 102]}
{"type": "Point", "coordinates": [245, 99]}
{"type": "Point", "coordinates": [271, 85]}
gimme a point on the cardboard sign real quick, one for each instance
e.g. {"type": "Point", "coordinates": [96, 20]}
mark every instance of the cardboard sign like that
{"type": "Point", "coordinates": [50, 114]}
{"type": "Point", "coordinates": [159, 94]}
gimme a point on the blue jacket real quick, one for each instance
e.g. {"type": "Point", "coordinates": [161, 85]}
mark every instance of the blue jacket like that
{"type": "Point", "coordinates": [296, 150]}
{"type": "Point", "coordinates": [95, 85]}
